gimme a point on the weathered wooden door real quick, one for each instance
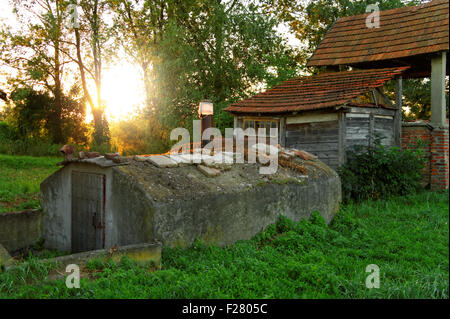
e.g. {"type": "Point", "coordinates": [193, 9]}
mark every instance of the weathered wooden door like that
{"type": "Point", "coordinates": [88, 211]}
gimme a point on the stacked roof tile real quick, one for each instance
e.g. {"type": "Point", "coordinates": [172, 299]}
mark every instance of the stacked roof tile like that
{"type": "Point", "coordinates": [316, 92]}
{"type": "Point", "coordinates": [403, 32]}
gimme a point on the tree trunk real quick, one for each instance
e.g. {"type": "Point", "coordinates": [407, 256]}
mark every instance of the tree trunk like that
{"type": "Point", "coordinates": [82, 72]}
{"type": "Point", "coordinates": [56, 120]}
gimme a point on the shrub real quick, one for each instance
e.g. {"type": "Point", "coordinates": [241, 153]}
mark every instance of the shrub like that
{"type": "Point", "coordinates": [378, 172]}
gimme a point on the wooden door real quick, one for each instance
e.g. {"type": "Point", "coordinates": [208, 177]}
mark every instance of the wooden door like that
{"type": "Point", "coordinates": [88, 211]}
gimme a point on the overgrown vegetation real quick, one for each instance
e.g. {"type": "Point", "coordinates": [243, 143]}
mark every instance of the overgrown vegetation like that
{"type": "Point", "coordinates": [20, 177]}
{"type": "Point", "coordinates": [186, 51]}
{"type": "Point", "coordinates": [378, 172]}
{"type": "Point", "coordinates": [407, 237]}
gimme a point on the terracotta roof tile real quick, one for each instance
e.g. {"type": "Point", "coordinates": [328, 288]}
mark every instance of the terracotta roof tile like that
{"type": "Point", "coordinates": [403, 32]}
{"type": "Point", "coordinates": [316, 92]}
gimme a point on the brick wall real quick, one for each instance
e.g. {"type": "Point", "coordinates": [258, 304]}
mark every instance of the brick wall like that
{"type": "Point", "coordinates": [439, 159]}
{"type": "Point", "coordinates": [435, 147]}
{"type": "Point", "coordinates": [411, 133]}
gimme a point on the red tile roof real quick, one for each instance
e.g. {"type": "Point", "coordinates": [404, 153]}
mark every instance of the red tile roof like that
{"type": "Point", "coordinates": [316, 92]}
{"type": "Point", "coordinates": [403, 32]}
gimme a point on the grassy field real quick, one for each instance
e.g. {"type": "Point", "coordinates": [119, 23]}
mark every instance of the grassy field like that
{"type": "Point", "coordinates": [407, 237]}
{"type": "Point", "coordinates": [20, 177]}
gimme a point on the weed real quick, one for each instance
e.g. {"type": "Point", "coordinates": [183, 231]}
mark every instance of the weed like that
{"type": "Point", "coordinates": [407, 237]}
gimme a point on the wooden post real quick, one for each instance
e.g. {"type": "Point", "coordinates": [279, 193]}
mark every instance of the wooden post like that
{"type": "Point", "coordinates": [398, 112]}
{"type": "Point", "coordinates": [371, 128]}
{"type": "Point", "coordinates": [342, 136]}
{"type": "Point", "coordinates": [382, 97]}
{"type": "Point", "coordinates": [374, 97]}
{"type": "Point", "coordinates": [282, 139]}
{"type": "Point", "coordinates": [438, 67]}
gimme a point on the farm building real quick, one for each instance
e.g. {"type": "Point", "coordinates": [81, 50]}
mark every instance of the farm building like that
{"type": "Point", "coordinates": [412, 40]}
{"type": "Point", "coordinates": [97, 203]}
{"type": "Point", "coordinates": [326, 114]}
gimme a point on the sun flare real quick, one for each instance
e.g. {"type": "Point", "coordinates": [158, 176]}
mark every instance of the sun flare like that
{"type": "Point", "coordinates": [122, 91]}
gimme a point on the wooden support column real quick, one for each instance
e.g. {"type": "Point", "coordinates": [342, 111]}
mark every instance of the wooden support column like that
{"type": "Point", "coordinates": [382, 97]}
{"type": "Point", "coordinates": [439, 149]}
{"type": "Point", "coordinates": [371, 129]}
{"type": "Point", "coordinates": [282, 137]}
{"type": "Point", "coordinates": [342, 136]}
{"type": "Point", "coordinates": [438, 70]}
{"type": "Point", "coordinates": [398, 111]}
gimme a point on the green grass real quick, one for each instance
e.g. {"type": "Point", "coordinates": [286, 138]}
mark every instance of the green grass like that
{"type": "Point", "coordinates": [407, 237]}
{"type": "Point", "coordinates": [20, 177]}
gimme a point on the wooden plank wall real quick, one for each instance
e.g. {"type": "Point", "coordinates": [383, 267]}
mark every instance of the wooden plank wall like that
{"type": "Point", "coordinates": [331, 139]}
{"type": "Point", "coordinates": [319, 138]}
{"type": "Point", "coordinates": [360, 128]}
{"type": "Point", "coordinates": [385, 128]}
{"type": "Point", "coordinates": [357, 130]}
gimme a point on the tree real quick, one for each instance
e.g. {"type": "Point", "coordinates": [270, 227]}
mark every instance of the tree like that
{"type": "Point", "coordinates": [416, 98]}
{"type": "Point", "coordinates": [33, 111]}
{"type": "Point", "coordinates": [218, 50]}
{"type": "Point", "coordinates": [138, 29]}
{"type": "Point", "coordinates": [35, 52]}
{"type": "Point", "coordinates": [3, 96]}
{"type": "Point", "coordinates": [191, 50]}
{"type": "Point", "coordinates": [92, 28]}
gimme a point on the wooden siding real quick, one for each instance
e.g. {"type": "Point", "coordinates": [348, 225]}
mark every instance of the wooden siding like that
{"type": "Point", "coordinates": [359, 127]}
{"type": "Point", "coordinates": [385, 128]}
{"type": "Point", "coordinates": [312, 118]}
{"type": "Point", "coordinates": [357, 130]}
{"type": "Point", "coordinates": [320, 139]}
{"type": "Point", "coordinates": [331, 135]}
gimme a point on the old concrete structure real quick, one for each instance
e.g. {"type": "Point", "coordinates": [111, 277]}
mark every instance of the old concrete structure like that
{"type": "Point", "coordinates": [20, 230]}
{"type": "Point", "coordinates": [96, 203]}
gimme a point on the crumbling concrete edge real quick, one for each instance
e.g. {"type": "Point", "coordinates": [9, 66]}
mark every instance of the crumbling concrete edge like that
{"type": "Point", "coordinates": [6, 261]}
{"type": "Point", "coordinates": [143, 254]}
{"type": "Point", "coordinates": [147, 254]}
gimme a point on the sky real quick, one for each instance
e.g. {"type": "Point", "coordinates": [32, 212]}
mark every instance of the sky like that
{"type": "Point", "coordinates": [122, 88]}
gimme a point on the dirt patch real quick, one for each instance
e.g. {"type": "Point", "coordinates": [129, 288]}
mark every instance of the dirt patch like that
{"type": "Point", "coordinates": [188, 182]}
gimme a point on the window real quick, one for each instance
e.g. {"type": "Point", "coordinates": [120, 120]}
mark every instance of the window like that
{"type": "Point", "coordinates": [266, 124]}
{"type": "Point", "coordinates": [249, 123]}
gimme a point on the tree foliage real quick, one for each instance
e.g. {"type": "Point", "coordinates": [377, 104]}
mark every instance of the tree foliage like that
{"type": "Point", "coordinates": [33, 111]}
{"type": "Point", "coordinates": [187, 50]}
{"type": "Point", "coordinates": [34, 50]}
{"type": "Point", "coordinates": [195, 50]}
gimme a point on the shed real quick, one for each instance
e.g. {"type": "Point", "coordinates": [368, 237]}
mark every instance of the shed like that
{"type": "Point", "coordinates": [413, 36]}
{"type": "Point", "coordinates": [326, 114]}
{"type": "Point", "coordinates": [96, 203]}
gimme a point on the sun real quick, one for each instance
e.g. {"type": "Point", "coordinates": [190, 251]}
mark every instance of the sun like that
{"type": "Point", "coordinates": [122, 91]}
